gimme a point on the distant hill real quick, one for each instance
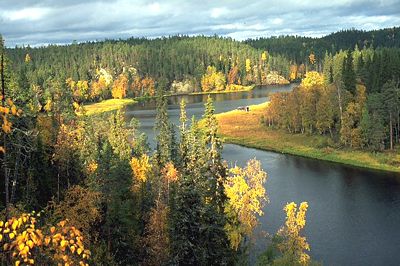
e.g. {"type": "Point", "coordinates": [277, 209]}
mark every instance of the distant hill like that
{"type": "Point", "coordinates": [298, 48]}
{"type": "Point", "coordinates": [186, 58]}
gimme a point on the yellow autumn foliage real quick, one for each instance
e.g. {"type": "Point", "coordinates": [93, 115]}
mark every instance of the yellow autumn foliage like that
{"type": "Point", "coordinates": [48, 106]}
{"type": "Point", "coordinates": [293, 243]}
{"type": "Point", "coordinates": [120, 87]}
{"type": "Point", "coordinates": [311, 57]}
{"type": "Point", "coordinates": [27, 58]}
{"type": "Point", "coordinates": [9, 109]}
{"type": "Point", "coordinates": [264, 56]}
{"type": "Point", "coordinates": [312, 79]}
{"type": "Point", "coordinates": [248, 65]}
{"type": "Point", "coordinates": [246, 194]}
{"type": "Point", "coordinates": [92, 167]}
{"type": "Point", "coordinates": [25, 243]}
{"type": "Point", "coordinates": [170, 172]}
{"type": "Point", "coordinates": [140, 168]}
{"type": "Point", "coordinates": [213, 80]}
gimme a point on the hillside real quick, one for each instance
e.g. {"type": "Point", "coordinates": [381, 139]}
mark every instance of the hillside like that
{"type": "Point", "coordinates": [298, 48]}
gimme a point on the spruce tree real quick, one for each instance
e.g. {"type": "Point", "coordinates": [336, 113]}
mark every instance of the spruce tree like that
{"type": "Point", "coordinates": [216, 237]}
{"type": "Point", "coordinates": [348, 75]}
{"type": "Point", "coordinates": [164, 137]}
{"type": "Point", "coordinates": [186, 225]}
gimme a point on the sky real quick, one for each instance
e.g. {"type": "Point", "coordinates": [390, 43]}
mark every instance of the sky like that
{"type": "Point", "coordinates": [36, 23]}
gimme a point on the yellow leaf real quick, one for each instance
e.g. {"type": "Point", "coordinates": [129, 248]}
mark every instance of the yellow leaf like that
{"type": "Point", "coordinates": [79, 251]}
{"type": "Point", "coordinates": [30, 244]}
{"type": "Point", "coordinates": [14, 225]}
{"type": "Point", "coordinates": [52, 229]}
{"type": "Point", "coordinates": [63, 243]}
{"type": "Point", "coordinates": [14, 110]}
{"type": "Point", "coordinates": [11, 235]}
{"type": "Point", "coordinates": [17, 263]}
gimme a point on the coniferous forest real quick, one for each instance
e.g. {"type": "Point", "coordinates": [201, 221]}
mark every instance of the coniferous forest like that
{"type": "Point", "coordinates": [81, 189]}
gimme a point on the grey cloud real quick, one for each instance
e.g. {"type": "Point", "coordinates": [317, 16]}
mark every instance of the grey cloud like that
{"type": "Point", "coordinates": [52, 21]}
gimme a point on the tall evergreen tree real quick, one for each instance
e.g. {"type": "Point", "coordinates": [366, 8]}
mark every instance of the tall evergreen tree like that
{"type": "Point", "coordinates": [348, 74]}
{"type": "Point", "coordinates": [164, 137]}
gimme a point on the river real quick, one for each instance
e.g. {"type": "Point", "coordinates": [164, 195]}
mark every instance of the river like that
{"type": "Point", "coordinates": [354, 214]}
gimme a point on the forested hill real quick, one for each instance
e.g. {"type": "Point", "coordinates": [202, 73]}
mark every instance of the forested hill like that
{"type": "Point", "coordinates": [298, 48]}
{"type": "Point", "coordinates": [173, 58]}
{"type": "Point", "coordinates": [180, 64]}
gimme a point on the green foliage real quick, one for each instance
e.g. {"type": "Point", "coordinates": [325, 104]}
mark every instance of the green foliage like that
{"type": "Point", "coordinates": [164, 138]}
{"type": "Point", "coordinates": [297, 48]}
{"type": "Point", "coordinates": [348, 75]}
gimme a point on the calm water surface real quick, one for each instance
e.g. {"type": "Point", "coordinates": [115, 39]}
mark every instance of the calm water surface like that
{"type": "Point", "coordinates": [354, 214]}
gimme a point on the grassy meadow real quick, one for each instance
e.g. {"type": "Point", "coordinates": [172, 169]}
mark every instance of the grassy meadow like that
{"type": "Point", "coordinates": [106, 106]}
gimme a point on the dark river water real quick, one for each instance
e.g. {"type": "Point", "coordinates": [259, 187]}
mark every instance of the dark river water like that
{"type": "Point", "coordinates": [354, 214]}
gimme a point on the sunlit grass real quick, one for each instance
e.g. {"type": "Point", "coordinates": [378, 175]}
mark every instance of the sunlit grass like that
{"type": "Point", "coordinates": [239, 88]}
{"type": "Point", "coordinates": [106, 106]}
{"type": "Point", "coordinates": [245, 128]}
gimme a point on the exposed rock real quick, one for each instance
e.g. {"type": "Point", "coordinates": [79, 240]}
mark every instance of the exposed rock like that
{"type": "Point", "coordinates": [273, 78]}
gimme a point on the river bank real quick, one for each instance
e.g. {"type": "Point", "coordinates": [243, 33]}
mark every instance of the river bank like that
{"type": "Point", "coordinates": [245, 128]}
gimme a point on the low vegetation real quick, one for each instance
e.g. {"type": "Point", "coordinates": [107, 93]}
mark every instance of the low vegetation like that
{"type": "Point", "coordinates": [105, 106]}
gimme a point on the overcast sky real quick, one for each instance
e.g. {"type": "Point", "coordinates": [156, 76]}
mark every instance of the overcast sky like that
{"type": "Point", "coordinates": [57, 21]}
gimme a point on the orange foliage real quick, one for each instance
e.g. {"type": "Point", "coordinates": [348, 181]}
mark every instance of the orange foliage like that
{"type": "Point", "coordinates": [119, 87]}
{"type": "Point", "coordinates": [141, 87]}
{"type": "Point", "coordinates": [293, 72]}
{"type": "Point", "coordinates": [311, 57]}
{"type": "Point", "coordinates": [157, 238]}
{"type": "Point", "coordinates": [233, 75]}
{"type": "Point", "coordinates": [98, 87]}
{"type": "Point", "coordinates": [82, 206]}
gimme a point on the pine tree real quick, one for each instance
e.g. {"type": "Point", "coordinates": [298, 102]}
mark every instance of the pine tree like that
{"type": "Point", "coordinates": [164, 136]}
{"type": "Point", "coordinates": [348, 75]}
{"type": "Point", "coordinates": [391, 100]}
{"type": "Point", "coordinates": [186, 225]}
{"type": "Point", "coordinates": [217, 240]}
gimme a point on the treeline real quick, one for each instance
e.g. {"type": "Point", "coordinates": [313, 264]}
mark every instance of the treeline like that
{"type": "Point", "coordinates": [298, 48]}
{"type": "Point", "coordinates": [165, 60]}
{"type": "Point", "coordinates": [356, 100]}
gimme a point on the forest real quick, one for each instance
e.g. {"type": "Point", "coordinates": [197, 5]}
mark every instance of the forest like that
{"type": "Point", "coordinates": [355, 100]}
{"type": "Point", "coordinates": [87, 189]}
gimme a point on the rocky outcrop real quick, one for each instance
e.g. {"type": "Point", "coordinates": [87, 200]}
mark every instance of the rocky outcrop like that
{"type": "Point", "coordinates": [273, 78]}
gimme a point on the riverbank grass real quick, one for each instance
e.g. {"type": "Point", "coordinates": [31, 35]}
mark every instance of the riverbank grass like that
{"type": "Point", "coordinates": [245, 128]}
{"type": "Point", "coordinates": [232, 88]}
{"type": "Point", "coordinates": [106, 106]}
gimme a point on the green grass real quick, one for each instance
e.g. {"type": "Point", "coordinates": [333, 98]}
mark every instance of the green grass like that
{"type": "Point", "coordinates": [106, 106]}
{"type": "Point", "coordinates": [245, 128]}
